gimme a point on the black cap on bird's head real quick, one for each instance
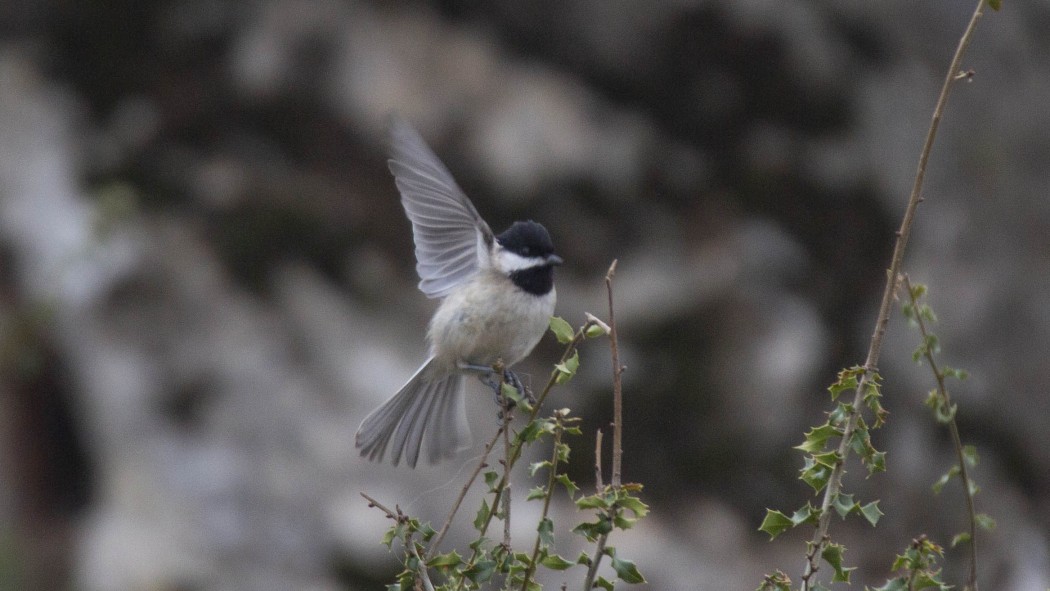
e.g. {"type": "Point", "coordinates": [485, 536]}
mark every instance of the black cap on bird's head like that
{"type": "Point", "coordinates": [528, 239]}
{"type": "Point", "coordinates": [531, 262]}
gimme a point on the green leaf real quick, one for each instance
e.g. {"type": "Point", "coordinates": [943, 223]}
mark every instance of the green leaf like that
{"type": "Point", "coordinates": [970, 455]}
{"type": "Point", "coordinates": [960, 538]}
{"type": "Point", "coordinates": [481, 571]}
{"type": "Point", "coordinates": [918, 290]}
{"type": "Point", "coordinates": [943, 480]}
{"type": "Point", "coordinates": [985, 521]}
{"type": "Point", "coordinates": [588, 530]}
{"type": "Point", "coordinates": [388, 537]}
{"type": "Point", "coordinates": [841, 414]}
{"type": "Point", "coordinates": [555, 562]}
{"type": "Point", "coordinates": [844, 504]}
{"type": "Point", "coordinates": [871, 512]}
{"type": "Point", "coordinates": [847, 380]}
{"type": "Point", "coordinates": [567, 370]}
{"type": "Point", "coordinates": [952, 372]}
{"type": "Point", "coordinates": [603, 583]}
{"type": "Point", "coordinates": [545, 529]}
{"type": "Point", "coordinates": [806, 514]}
{"type": "Point", "coordinates": [817, 437]}
{"type": "Point", "coordinates": [995, 4]}
{"type": "Point", "coordinates": [592, 502]}
{"type": "Point", "coordinates": [634, 505]}
{"type": "Point", "coordinates": [775, 523]}
{"type": "Point", "coordinates": [536, 493]}
{"type": "Point", "coordinates": [562, 330]}
{"type": "Point", "coordinates": [832, 554]}
{"type": "Point", "coordinates": [816, 469]}
{"type": "Point", "coordinates": [595, 330]}
{"type": "Point", "coordinates": [536, 466]}
{"type": "Point", "coordinates": [897, 584]}
{"type": "Point", "coordinates": [451, 559]}
{"type": "Point", "coordinates": [627, 571]}
{"type": "Point", "coordinates": [491, 480]}
{"type": "Point", "coordinates": [777, 581]}
{"type": "Point", "coordinates": [569, 485]}
{"type": "Point", "coordinates": [483, 516]}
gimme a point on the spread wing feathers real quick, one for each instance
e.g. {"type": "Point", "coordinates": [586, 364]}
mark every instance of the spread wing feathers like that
{"type": "Point", "coordinates": [451, 238]}
{"type": "Point", "coordinates": [422, 409]}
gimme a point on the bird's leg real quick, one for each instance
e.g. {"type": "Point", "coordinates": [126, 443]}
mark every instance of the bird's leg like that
{"type": "Point", "coordinates": [488, 376]}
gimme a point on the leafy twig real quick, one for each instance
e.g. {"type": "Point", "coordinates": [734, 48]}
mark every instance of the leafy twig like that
{"type": "Point", "coordinates": [400, 517]}
{"type": "Point", "coordinates": [819, 539]}
{"type": "Point", "coordinates": [949, 414]}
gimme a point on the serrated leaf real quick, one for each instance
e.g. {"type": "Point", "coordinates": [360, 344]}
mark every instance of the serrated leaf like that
{"type": "Point", "coordinates": [871, 512]}
{"type": "Point", "coordinates": [775, 523]}
{"type": "Point", "coordinates": [491, 480]}
{"type": "Point", "coordinates": [536, 466]}
{"type": "Point", "coordinates": [588, 530]}
{"type": "Point", "coordinates": [592, 502]}
{"type": "Point", "coordinates": [481, 571]}
{"type": "Point", "coordinates": [545, 529]}
{"type": "Point", "coordinates": [555, 562]}
{"type": "Point", "coordinates": [483, 516]}
{"type": "Point", "coordinates": [562, 330]}
{"type": "Point", "coordinates": [570, 486]}
{"type": "Point", "coordinates": [832, 554]}
{"type": "Point", "coordinates": [451, 559]}
{"type": "Point", "coordinates": [814, 474]}
{"type": "Point", "coordinates": [388, 537]}
{"type": "Point", "coordinates": [567, 370]}
{"type": "Point", "coordinates": [627, 571]}
{"type": "Point", "coordinates": [536, 493]}
{"type": "Point", "coordinates": [805, 514]}
{"type": "Point", "coordinates": [817, 437]}
{"type": "Point", "coordinates": [634, 505]}
{"type": "Point", "coordinates": [844, 504]}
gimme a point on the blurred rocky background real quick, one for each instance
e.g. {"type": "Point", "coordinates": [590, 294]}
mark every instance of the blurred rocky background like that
{"type": "Point", "coordinates": [206, 279]}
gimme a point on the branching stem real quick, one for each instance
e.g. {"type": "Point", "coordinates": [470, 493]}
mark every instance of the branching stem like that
{"type": "Point", "coordinates": [871, 362]}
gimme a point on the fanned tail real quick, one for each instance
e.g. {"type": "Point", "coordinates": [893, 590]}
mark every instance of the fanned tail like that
{"type": "Point", "coordinates": [426, 407]}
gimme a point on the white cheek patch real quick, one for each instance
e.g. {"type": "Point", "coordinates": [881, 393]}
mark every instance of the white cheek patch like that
{"type": "Point", "coordinates": [510, 262]}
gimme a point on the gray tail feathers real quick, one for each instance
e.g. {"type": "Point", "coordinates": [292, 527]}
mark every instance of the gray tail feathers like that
{"type": "Point", "coordinates": [427, 407]}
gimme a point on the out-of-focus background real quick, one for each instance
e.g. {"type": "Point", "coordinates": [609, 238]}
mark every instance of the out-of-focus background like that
{"type": "Point", "coordinates": [207, 281]}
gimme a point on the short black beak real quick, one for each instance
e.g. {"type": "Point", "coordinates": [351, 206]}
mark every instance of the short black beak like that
{"type": "Point", "coordinates": [554, 259]}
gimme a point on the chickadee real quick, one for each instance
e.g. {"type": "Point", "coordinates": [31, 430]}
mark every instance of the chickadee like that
{"type": "Point", "coordinates": [498, 299]}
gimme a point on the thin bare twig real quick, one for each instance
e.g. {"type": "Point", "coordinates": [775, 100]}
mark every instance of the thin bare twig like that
{"type": "Point", "coordinates": [874, 350]}
{"type": "Point", "coordinates": [598, 460]}
{"type": "Point", "coordinates": [617, 451]}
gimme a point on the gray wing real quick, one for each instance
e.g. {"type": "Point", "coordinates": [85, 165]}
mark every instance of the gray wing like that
{"type": "Point", "coordinates": [451, 238]}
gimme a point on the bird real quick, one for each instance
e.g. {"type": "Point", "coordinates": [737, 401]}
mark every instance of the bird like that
{"type": "Point", "coordinates": [497, 297]}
